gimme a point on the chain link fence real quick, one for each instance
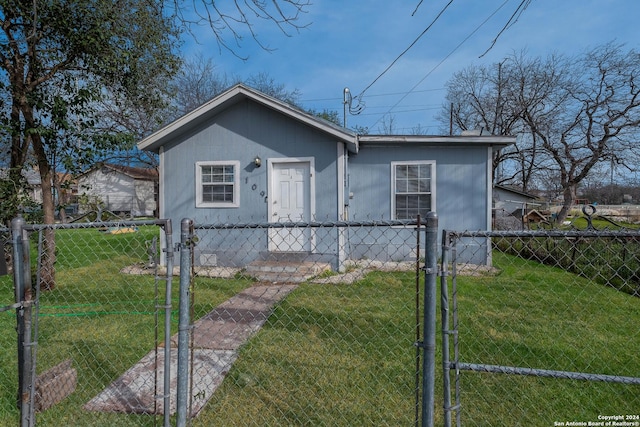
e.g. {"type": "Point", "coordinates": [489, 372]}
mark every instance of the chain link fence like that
{"type": "Point", "coordinates": [305, 324]}
{"type": "Point", "coordinates": [316, 324]}
{"type": "Point", "coordinates": [279, 332]}
{"type": "Point", "coordinates": [545, 331]}
{"type": "Point", "coordinates": [83, 345]}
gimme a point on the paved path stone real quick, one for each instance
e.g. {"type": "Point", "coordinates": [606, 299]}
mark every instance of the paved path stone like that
{"type": "Point", "coordinates": [217, 336]}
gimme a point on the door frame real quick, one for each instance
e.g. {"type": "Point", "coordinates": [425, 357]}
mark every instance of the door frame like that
{"type": "Point", "coordinates": [271, 182]}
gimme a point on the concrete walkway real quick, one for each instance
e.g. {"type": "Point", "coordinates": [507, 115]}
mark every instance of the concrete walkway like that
{"type": "Point", "coordinates": [217, 337]}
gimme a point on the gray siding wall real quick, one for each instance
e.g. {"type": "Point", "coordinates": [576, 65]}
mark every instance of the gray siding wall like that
{"type": "Point", "coordinates": [461, 194]}
{"type": "Point", "coordinates": [115, 190]}
{"type": "Point", "coordinates": [247, 129]}
{"type": "Point", "coordinates": [241, 133]}
{"type": "Point", "coordinates": [461, 183]}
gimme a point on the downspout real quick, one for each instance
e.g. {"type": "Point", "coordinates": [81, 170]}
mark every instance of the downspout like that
{"type": "Point", "coordinates": [347, 176]}
{"type": "Point", "coordinates": [347, 192]}
{"type": "Point", "coordinates": [489, 202]}
{"type": "Point", "coordinates": [343, 233]}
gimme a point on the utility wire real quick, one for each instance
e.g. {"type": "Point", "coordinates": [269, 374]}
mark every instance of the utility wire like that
{"type": "Point", "coordinates": [371, 96]}
{"type": "Point", "coordinates": [441, 62]}
{"type": "Point", "coordinates": [416, 9]}
{"type": "Point", "coordinates": [524, 4]}
{"type": "Point", "coordinates": [406, 50]}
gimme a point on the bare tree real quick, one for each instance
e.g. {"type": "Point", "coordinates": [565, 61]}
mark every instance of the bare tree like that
{"type": "Point", "coordinates": [197, 82]}
{"type": "Point", "coordinates": [388, 125]}
{"type": "Point", "coordinates": [570, 113]}
{"type": "Point", "coordinates": [230, 21]}
{"type": "Point", "coordinates": [490, 99]}
{"type": "Point", "coordinates": [592, 117]}
{"type": "Point", "coordinates": [268, 85]}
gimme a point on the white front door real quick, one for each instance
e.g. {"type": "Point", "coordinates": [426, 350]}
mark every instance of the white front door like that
{"type": "Point", "coordinates": [290, 202]}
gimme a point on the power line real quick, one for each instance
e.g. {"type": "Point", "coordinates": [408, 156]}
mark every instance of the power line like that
{"type": "Point", "coordinates": [442, 61]}
{"type": "Point", "coordinates": [524, 4]}
{"type": "Point", "coordinates": [406, 50]}
{"type": "Point", "coordinates": [412, 110]}
{"type": "Point", "coordinates": [373, 96]}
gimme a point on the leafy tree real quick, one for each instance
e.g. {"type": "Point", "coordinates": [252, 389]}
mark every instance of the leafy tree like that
{"type": "Point", "coordinates": [570, 113]}
{"type": "Point", "coordinates": [60, 60]}
{"type": "Point", "coordinates": [56, 58]}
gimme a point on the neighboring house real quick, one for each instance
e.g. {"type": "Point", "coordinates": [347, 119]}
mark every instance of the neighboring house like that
{"type": "Point", "coordinates": [511, 208]}
{"type": "Point", "coordinates": [34, 184]}
{"type": "Point", "coordinates": [247, 157]}
{"type": "Point", "coordinates": [118, 189]}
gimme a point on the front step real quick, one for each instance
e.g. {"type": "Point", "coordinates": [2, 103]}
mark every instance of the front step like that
{"type": "Point", "coordinates": [286, 271]}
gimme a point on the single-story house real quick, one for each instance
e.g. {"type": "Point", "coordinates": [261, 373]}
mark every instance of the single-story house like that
{"type": "Point", "coordinates": [118, 189]}
{"type": "Point", "coordinates": [247, 157]}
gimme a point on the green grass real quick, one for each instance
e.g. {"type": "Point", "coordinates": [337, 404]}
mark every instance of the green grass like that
{"type": "Point", "coordinates": [343, 355]}
{"type": "Point", "coordinates": [536, 316]}
{"type": "Point", "coordinates": [96, 316]}
{"type": "Point", "coordinates": [339, 355]}
{"type": "Point", "coordinates": [329, 355]}
{"type": "Point", "coordinates": [611, 261]}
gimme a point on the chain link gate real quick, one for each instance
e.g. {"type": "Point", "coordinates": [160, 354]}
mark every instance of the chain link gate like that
{"type": "Point", "coordinates": [541, 327]}
{"type": "Point", "coordinates": [282, 334]}
{"type": "Point", "coordinates": [94, 325]}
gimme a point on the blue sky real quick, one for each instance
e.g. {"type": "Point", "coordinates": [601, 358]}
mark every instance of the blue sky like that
{"type": "Point", "coordinates": [350, 43]}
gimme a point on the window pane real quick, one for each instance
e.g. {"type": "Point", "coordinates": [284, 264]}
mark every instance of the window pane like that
{"type": "Point", "coordinates": [401, 183]}
{"type": "Point", "coordinates": [401, 171]}
{"type": "Point", "coordinates": [412, 190]}
{"type": "Point", "coordinates": [424, 185]}
{"type": "Point", "coordinates": [401, 201]}
{"type": "Point", "coordinates": [425, 171]}
{"type": "Point", "coordinates": [217, 183]}
{"type": "Point", "coordinates": [223, 173]}
{"type": "Point", "coordinates": [206, 173]}
{"type": "Point", "coordinates": [413, 171]}
{"type": "Point", "coordinates": [217, 193]}
{"type": "Point", "coordinates": [424, 203]}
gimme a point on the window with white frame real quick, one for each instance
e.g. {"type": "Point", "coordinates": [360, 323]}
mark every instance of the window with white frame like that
{"type": "Point", "coordinates": [218, 184]}
{"type": "Point", "coordinates": [412, 186]}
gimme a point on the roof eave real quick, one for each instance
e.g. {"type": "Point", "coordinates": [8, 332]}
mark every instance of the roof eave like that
{"type": "Point", "coordinates": [438, 140]}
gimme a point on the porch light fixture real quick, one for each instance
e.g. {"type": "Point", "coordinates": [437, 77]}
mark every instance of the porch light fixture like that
{"type": "Point", "coordinates": [257, 161]}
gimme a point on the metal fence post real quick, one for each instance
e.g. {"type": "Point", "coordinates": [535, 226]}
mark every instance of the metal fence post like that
{"type": "Point", "coordinates": [183, 322]}
{"type": "Point", "coordinates": [429, 360]}
{"type": "Point", "coordinates": [167, 323]}
{"type": "Point", "coordinates": [22, 280]}
{"type": "Point", "coordinates": [444, 310]}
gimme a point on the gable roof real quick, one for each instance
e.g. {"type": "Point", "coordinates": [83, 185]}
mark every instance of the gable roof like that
{"type": "Point", "coordinates": [232, 96]}
{"type": "Point", "coordinates": [353, 141]}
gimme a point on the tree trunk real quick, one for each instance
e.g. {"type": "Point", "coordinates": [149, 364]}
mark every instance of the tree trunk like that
{"type": "Point", "coordinates": [569, 196]}
{"type": "Point", "coordinates": [47, 263]}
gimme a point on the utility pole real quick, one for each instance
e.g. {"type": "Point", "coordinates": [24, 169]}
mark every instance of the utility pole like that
{"type": "Point", "coordinates": [346, 100]}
